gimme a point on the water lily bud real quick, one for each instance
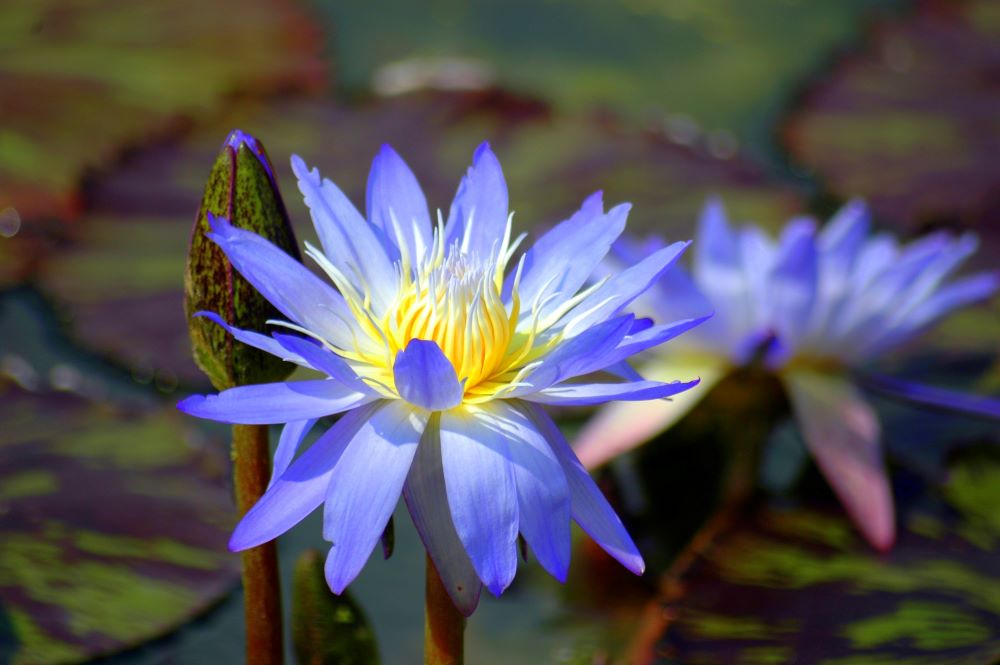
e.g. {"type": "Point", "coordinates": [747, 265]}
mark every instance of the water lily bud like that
{"type": "Point", "coordinates": [327, 629]}
{"type": "Point", "coordinates": [241, 188]}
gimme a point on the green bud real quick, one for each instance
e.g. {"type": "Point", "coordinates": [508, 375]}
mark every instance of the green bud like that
{"type": "Point", "coordinates": [327, 629]}
{"type": "Point", "coordinates": [241, 188]}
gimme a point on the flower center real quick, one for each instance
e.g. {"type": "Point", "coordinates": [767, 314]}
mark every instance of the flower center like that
{"type": "Point", "coordinates": [454, 302]}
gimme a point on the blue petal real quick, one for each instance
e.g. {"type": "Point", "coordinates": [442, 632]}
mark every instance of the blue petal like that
{"type": "Point", "coordinates": [425, 377]}
{"type": "Point", "coordinates": [584, 394]}
{"type": "Point", "coordinates": [301, 488]}
{"type": "Point", "coordinates": [365, 487]}
{"type": "Point", "coordinates": [717, 247]}
{"type": "Point", "coordinates": [578, 355]}
{"type": "Point", "coordinates": [355, 247]}
{"type": "Point", "coordinates": [844, 235]}
{"type": "Point", "coordinates": [255, 339]}
{"type": "Point", "coordinates": [481, 493]}
{"type": "Point", "coordinates": [562, 259]}
{"type": "Point", "coordinates": [296, 292]}
{"type": "Point", "coordinates": [396, 204]}
{"type": "Point", "coordinates": [292, 435]}
{"type": "Point", "coordinates": [959, 293]}
{"type": "Point", "coordinates": [792, 285]}
{"type": "Point", "coordinates": [269, 403]}
{"type": "Point", "coordinates": [675, 295]}
{"type": "Point", "coordinates": [478, 216]}
{"type": "Point", "coordinates": [637, 342]}
{"type": "Point", "coordinates": [720, 271]}
{"type": "Point", "coordinates": [542, 493]}
{"type": "Point", "coordinates": [616, 294]}
{"type": "Point", "coordinates": [589, 507]}
{"type": "Point", "coordinates": [427, 502]}
{"type": "Point", "coordinates": [324, 360]}
{"type": "Point", "coordinates": [917, 393]}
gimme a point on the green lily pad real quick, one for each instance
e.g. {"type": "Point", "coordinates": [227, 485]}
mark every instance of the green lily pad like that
{"type": "Point", "coordinates": [114, 527]}
{"type": "Point", "coordinates": [797, 584]}
{"type": "Point", "coordinates": [120, 283]}
{"type": "Point", "coordinates": [695, 67]}
{"type": "Point", "coordinates": [81, 81]}
{"type": "Point", "coordinates": [909, 120]}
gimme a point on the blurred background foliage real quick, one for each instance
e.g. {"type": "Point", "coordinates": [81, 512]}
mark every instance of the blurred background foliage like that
{"type": "Point", "coordinates": [114, 511]}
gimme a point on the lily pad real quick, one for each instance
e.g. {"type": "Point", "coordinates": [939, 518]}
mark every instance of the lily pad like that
{"type": "Point", "coordinates": [909, 120]}
{"type": "Point", "coordinates": [797, 584]}
{"type": "Point", "coordinates": [114, 527]}
{"type": "Point", "coordinates": [120, 283]}
{"type": "Point", "coordinates": [712, 70]}
{"type": "Point", "coordinates": [80, 81]}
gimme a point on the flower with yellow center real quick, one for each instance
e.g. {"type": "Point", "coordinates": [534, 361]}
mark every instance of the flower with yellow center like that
{"type": "Point", "coordinates": [438, 347]}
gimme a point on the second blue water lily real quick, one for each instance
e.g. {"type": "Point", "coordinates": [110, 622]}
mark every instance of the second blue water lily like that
{"type": "Point", "coordinates": [815, 307]}
{"type": "Point", "coordinates": [439, 348]}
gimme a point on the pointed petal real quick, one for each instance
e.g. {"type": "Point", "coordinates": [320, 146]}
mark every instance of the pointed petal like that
{"type": "Point", "coordinates": [478, 215]}
{"type": "Point", "coordinates": [842, 432]}
{"type": "Point", "coordinates": [301, 488]}
{"type": "Point", "coordinates": [636, 342]}
{"type": "Point", "coordinates": [918, 393]}
{"type": "Point", "coordinates": [584, 394]}
{"type": "Point", "coordinates": [425, 377]}
{"type": "Point", "coordinates": [481, 493]}
{"type": "Point", "coordinates": [255, 339]}
{"type": "Point", "coordinates": [365, 487]}
{"type": "Point", "coordinates": [269, 403]}
{"type": "Point", "coordinates": [396, 204]}
{"type": "Point", "coordinates": [354, 246]}
{"type": "Point", "coordinates": [297, 293]}
{"type": "Point", "coordinates": [589, 507]}
{"type": "Point", "coordinates": [578, 355]}
{"type": "Point", "coordinates": [292, 435]}
{"type": "Point", "coordinates": [792, 284]}
{"type": "Point", "coordinates": [427, 502]}
{"type": "Point", "coordinates": [542, 492]}
{"type": "Point", "coordinates": [324, 360]}
{"type": "Point", "coordinates": [844, 235]}
{"type": "Point", "coordinates": [618, 292]}
{"type": "Point", "coordinates": [619, 427]}
{"type": "Point", "coordinates": [562, 259]}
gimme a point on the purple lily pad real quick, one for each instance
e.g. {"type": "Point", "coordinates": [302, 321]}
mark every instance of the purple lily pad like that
{"type": "Point", "coordinates": [127, 70]}
{"type": "Point", "coordinates": [908, 121]}
{"type": "Point", "coordinates": [113, 524]}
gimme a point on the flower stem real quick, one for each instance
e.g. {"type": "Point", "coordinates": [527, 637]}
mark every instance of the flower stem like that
{"type": "Point", "coordinates": [444, 625]}
{"type": "Point", "coordinates": [261, 584]}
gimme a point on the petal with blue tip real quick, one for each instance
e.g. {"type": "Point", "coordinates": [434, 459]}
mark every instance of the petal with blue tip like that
{"type": "Point", "coordinates": [355, 247]}
{"type": "Point", "coordinates": [396, 204]}
{"type": "Point", "coordinates": [589, 508]}
{"type": "Point", "coordinates": [269, 403]}
{"type": "Point", "coordinates": [297, 293]}
{"type": "Point", "coordinates": [586, 394]}
{"type": "Point", "coordinates": [478, 216]}
{"type": "Point", "coordinates": [255, 339]}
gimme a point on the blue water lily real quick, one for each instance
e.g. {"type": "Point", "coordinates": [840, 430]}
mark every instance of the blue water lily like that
{"type": "Point", "coordinates": [815, 306]}
{"type": "Point", "coordinates": [438, 348]}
